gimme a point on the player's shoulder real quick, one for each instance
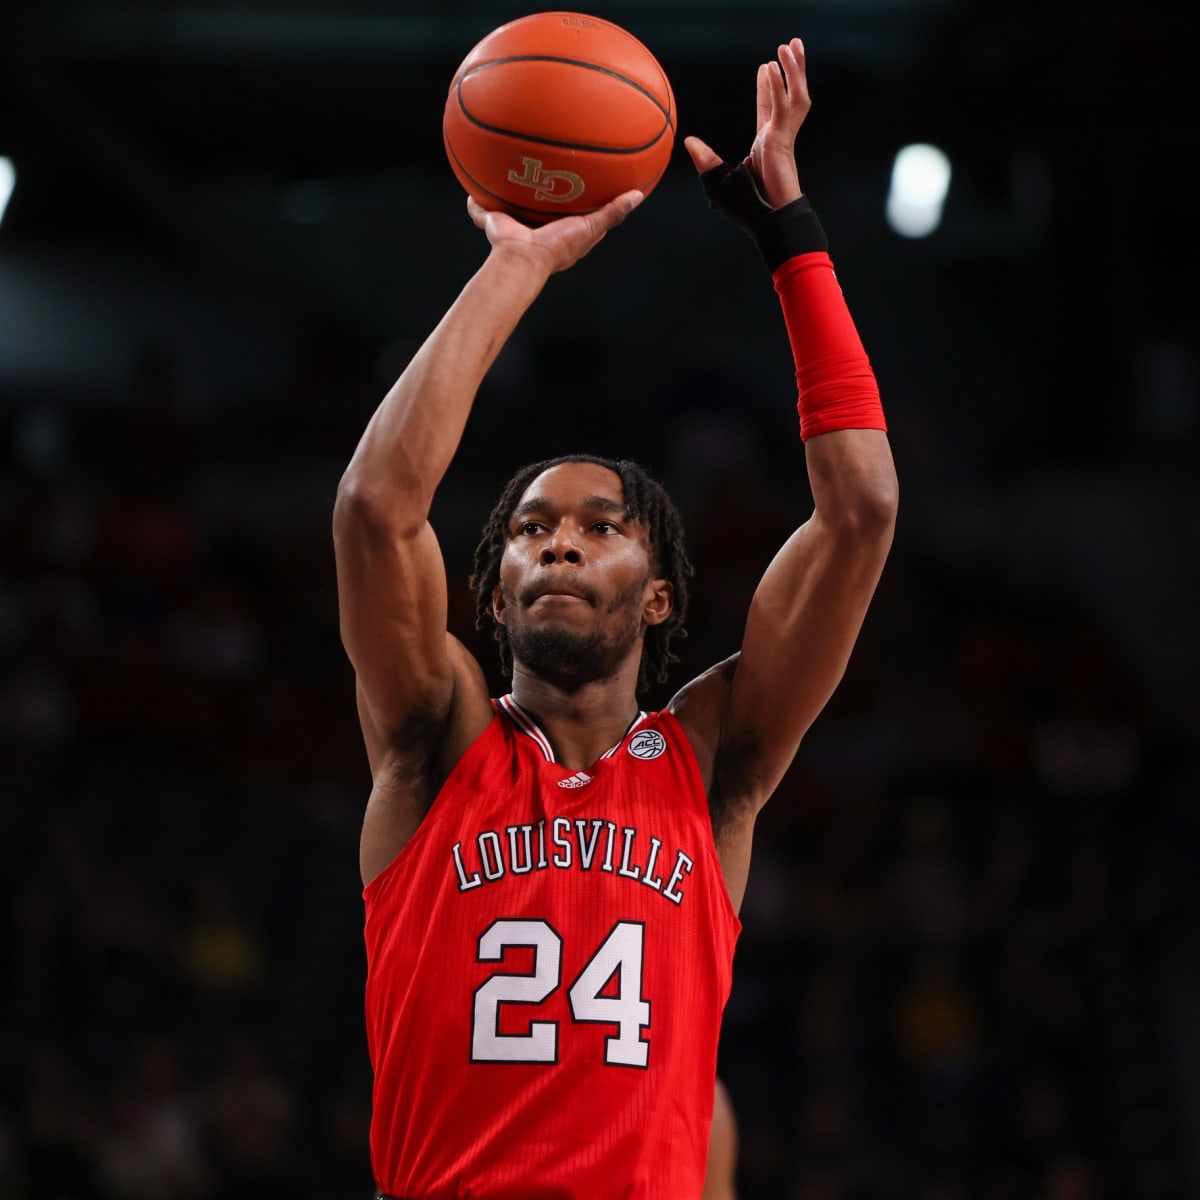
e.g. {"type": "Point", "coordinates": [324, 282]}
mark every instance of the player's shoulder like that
{"type": "Point", "coordinates": [700, 706]}
{"type": "Point", "coordinates": [715, 681]}
{"type": "Point", "coordinates": [708, 692]}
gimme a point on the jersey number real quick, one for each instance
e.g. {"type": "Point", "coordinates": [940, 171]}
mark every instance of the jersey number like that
{"type": "Point", "coordinates": [620, 954]}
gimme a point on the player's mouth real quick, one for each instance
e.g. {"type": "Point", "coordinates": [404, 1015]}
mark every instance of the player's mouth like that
{"type": "Point", "coordinates": [564, 595]}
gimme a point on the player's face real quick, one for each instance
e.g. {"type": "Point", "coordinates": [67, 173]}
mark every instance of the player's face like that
{"type": "Point", "coordinates": [577, 586]}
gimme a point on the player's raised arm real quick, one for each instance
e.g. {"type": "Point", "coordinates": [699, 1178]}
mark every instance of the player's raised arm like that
{"type": "Point", "coordinates": [807, 611]}
{"type": "Point", "coordinates": [391, 581]}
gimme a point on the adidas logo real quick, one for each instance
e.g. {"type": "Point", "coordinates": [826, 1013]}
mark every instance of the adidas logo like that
{"type": "Point", "coordinates": [578, 780]}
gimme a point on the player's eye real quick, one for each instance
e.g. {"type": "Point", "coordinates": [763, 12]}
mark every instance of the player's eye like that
{"type": "Point", "coordinates": [529, 528]}
{"type": "Point", "coordinates": [605, 527]}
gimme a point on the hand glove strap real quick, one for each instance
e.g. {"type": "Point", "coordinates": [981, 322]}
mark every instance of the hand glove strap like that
{"type": "Point", "coordinates": [779, 233]}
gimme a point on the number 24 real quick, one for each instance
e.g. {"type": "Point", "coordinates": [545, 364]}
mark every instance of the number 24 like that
{"type": "Point", "coordinates": [621, 951]}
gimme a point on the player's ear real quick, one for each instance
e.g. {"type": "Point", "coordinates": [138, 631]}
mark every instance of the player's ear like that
{"type": "Point", "coordinates": [660, 601]}
{"type": "Point", "coordinates": [498, 605]}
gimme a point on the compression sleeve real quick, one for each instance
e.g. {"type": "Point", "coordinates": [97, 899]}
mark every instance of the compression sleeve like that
{"type": "Point", "coordinates": [836, 387]}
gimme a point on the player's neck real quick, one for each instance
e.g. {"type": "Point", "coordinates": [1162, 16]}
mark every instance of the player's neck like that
{"type": "Point", "coordinates": [583, 723]}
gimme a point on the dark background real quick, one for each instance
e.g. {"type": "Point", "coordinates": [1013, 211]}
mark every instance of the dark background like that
{"type": "Point", "coordinates": [969, 965]}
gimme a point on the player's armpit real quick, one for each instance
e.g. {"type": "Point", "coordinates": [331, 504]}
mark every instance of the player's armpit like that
{"type": "Point", "coordinates": [410, 764]}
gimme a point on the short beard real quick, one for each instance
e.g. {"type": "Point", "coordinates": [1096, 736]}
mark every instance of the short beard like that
{"type": "Point", "coordinates": [570, 660]}
{"type": "Point", "coordinates": [566, 659]}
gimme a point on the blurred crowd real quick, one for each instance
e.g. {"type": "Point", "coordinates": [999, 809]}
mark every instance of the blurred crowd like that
{"type": "Point", "coordinates": [964, 910]}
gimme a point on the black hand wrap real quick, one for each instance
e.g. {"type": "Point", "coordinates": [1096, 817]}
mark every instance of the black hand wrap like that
{"type": "Point", "coordinates": [779, 233]}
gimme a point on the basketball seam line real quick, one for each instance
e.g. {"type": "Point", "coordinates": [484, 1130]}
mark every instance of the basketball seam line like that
{"type": "Point", "coordinates": [544, 141]}
{"type": "Point", "coordinates": [574, 62]}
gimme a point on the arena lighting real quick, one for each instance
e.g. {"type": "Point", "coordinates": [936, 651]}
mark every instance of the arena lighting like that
{"type": "Point", "coordinates": [8, 180]}
{"type": "Point", "coordinates": [920, 180]}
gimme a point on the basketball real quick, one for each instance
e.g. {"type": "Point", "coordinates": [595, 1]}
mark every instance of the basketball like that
{"type": "Point", "coordinates": [557, 113]}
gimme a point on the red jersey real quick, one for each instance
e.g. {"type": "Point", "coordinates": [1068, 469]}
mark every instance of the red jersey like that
{"type": "Point", "coordinates": [548, 959]}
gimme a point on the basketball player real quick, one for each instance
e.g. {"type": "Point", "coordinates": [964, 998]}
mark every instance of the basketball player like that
{"type": "Point", "coordinates": [552, 878]}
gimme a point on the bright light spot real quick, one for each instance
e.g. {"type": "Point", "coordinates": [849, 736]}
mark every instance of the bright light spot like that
{"type": "Point", "coordinates": [920, 181]}
{"type": "Point", "coordinates": [8, 180]}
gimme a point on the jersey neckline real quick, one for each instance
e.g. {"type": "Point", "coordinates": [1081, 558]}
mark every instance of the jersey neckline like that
{"type": "Point", "coordinates": [528, 726]}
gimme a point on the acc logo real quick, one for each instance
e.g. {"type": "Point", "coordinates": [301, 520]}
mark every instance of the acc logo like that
{"type": "Point", "coordinates": [546, 184]}
{"type": "Point", "coordinates": [647, 744]}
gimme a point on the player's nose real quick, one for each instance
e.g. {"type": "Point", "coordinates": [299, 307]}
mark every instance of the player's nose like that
{"type": "Point", "coordinates": [562, 546]}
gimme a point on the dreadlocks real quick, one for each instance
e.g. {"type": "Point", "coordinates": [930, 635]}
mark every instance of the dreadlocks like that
{"type": "Point", "coordinates": [646, 500]}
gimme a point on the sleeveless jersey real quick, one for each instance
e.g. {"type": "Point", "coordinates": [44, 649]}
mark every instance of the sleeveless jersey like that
{"type": "Point", "coordinates": [548, 960]}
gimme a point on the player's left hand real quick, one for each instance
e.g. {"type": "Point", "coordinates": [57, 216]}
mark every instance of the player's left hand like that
{"type": "Point", "coordinates": [783, 104]}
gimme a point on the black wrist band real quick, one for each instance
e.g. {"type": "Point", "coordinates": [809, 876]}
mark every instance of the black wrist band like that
{"type": "Point", "coordinates": [779, 233]}
{"type": "Point", "coordinates": [788, 231]}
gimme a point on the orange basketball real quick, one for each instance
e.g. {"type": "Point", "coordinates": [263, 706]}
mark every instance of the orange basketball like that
{"type": "Point", "coordinates": [557, 113]}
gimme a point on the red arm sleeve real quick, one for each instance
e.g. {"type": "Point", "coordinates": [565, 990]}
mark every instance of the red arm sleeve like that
{"type": "Point", "coordinates": [836, 386]}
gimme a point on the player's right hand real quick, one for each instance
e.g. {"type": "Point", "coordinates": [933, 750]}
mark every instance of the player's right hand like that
{"type": "Point", "coordinates": [560, 243]}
